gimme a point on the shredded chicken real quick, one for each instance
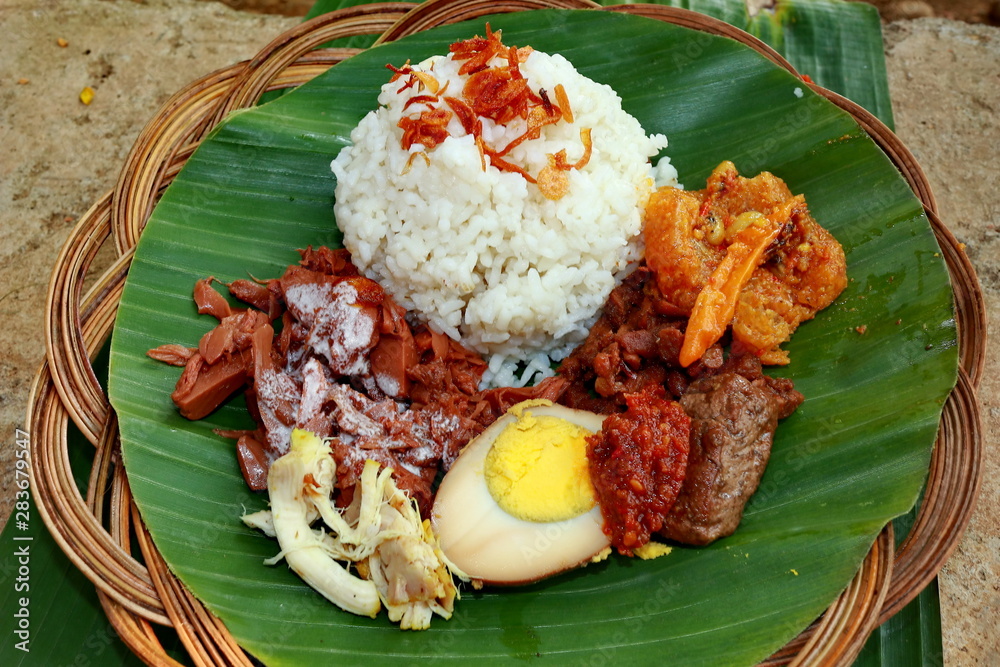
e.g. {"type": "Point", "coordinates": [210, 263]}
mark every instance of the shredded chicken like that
{"type": "Point", "coordinates": [395, 554]}
{"type": "Point", "coordinates": [299, 485]}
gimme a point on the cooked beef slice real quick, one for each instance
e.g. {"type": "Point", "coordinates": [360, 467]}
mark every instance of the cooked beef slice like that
{"type": "Point", "coordinates": [733, 419]}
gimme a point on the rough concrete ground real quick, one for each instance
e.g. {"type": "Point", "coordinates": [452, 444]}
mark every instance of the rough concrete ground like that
{"type": "Point", "coordinates": [945, 83]}
{"type": "Point", "coordinates": [61, 156]}
{"type": "Point", "coordinates": [971, 11]}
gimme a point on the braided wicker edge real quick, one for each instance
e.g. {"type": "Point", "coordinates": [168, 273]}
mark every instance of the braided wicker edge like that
{"type": "Point", "coordinates": [66, 387]}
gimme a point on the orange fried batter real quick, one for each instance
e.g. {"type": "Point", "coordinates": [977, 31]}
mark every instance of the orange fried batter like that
{"type": "Point", "coordinates": [690, 234]}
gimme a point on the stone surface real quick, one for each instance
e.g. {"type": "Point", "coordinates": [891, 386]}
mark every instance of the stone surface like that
{"type": "Point", "coordinates": [945, 83]}
{"type": "Point", "coordinates": [60, 156]}
{"type": "Point", "coordinates": [971, 11]}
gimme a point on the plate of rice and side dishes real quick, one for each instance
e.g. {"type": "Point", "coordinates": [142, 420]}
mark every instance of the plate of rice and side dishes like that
{"type": "Point", "coordinates": [493, 342]}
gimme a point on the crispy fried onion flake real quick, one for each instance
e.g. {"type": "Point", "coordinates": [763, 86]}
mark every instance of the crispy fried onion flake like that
{"type": "Point", "coordinates": [497, 92]}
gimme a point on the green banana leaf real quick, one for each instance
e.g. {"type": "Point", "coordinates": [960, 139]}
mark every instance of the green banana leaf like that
{"type": "Point", "coordinates": [853, 457]}
{"type": "Point", "coordinates": [838, 44]}
{"type": "Point", "coordinates": [43, 596]}
{"type": "Point", "coordinates": [913, 636]}
{"type": "Point", "coordinates": [65, 622]}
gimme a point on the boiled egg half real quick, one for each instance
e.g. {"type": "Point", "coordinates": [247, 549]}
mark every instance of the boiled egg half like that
{"type": "Point", "coordinates": [518, 504]}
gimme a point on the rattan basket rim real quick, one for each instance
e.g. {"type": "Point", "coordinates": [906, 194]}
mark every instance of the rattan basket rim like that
{"type": "Point", "coordinates": [97, 534]}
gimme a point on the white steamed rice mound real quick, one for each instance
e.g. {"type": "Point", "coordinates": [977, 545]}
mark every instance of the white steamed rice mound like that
{"type": "Point", "coordinates": [483, 256]}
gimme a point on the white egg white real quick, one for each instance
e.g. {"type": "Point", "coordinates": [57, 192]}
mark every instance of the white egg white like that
{"type": "Point", "coordinates": [486, 543]}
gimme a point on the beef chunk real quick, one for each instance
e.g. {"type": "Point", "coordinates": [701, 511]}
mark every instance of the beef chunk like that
{"type": "Point", "coordinates": [633, 345]}
{"type": "Point", "coordinates": [733, 419]}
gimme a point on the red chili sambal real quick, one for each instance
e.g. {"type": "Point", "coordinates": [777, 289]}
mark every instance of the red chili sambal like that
{"type": "Point", "coordinates": [637, 465]}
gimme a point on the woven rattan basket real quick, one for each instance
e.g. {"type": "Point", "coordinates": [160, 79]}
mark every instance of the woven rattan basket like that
{"type": "Point", "coordinates": [97, 532]}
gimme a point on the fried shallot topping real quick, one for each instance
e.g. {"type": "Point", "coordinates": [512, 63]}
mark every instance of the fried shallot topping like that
{"type": "Point", "coordinates": [497, 91]}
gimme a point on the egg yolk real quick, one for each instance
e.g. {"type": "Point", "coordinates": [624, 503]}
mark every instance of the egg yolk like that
{"type": "Point", "coordinates": [537, 469]}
